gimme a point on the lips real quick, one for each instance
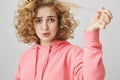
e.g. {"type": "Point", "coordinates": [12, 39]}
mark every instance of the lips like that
{"type": "Point", "coordinates": [46, 34]}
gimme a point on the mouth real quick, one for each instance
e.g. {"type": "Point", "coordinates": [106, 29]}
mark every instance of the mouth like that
{"type": "Point", "coordinates": [46, 34]}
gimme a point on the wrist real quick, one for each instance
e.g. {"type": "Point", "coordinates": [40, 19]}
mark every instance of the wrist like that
{"type": "Point", "coordinates": [92, 29]}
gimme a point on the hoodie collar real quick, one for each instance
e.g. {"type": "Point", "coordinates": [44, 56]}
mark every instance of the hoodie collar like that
{"type": "Point", "coordinates": [53, 43]}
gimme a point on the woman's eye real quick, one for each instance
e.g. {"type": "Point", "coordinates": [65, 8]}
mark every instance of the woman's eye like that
{"type": "Point", "coordinates": [38, 21]}
{"type": "Point", "coordinates": [51, 20]}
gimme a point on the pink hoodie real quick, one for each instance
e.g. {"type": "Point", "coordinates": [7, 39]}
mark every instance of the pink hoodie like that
{"type": "Point", "coordinates": [61, 60]}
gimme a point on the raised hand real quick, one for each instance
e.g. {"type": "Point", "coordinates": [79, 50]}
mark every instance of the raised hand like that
{"type": "Point", "coordinates": [100, 20]}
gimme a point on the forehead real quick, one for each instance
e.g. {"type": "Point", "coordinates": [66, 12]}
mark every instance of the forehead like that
{"type": "Point", "coordinates": [46, 11]}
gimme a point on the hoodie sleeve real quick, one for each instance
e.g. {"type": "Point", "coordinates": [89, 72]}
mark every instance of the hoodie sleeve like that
{"type": "Point", "coordinates": [17, 74]}
{"type": "Point", "coordinates": [91, 67]}
{"type": "Point", "coordinates": [18, 70]}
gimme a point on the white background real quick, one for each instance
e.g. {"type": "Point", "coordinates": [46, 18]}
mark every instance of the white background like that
{"type": "Point", "coordinates": [11, 49]}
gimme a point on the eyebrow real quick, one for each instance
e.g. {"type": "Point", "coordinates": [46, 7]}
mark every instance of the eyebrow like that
{"type": "Point", "coordinates": [47, 16]}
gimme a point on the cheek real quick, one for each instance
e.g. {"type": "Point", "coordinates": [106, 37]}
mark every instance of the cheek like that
{"type": "Point", "coordinates": [55, 28]}
{"type": "Point", "coordinates": [37, 30]}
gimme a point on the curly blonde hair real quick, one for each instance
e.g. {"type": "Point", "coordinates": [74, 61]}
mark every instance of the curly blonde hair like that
{"type": "Point", "coordinates": [26, 12]}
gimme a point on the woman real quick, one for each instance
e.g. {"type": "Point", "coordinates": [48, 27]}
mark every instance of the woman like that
{"type": "Point", "coordinates": [48, 24]}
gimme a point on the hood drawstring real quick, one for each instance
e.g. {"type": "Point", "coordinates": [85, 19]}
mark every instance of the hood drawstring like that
{"type": "Point", "coordinates": [46, 62]}
{"type": "Point", "coordinates": [36, 62]}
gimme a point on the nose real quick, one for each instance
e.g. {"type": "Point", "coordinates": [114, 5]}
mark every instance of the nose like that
{"type": "Point", "coordinates": [44, 26]}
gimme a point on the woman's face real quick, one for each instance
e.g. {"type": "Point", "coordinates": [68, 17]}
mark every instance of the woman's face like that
{"type": "Point", "coordinates": [46, 24]}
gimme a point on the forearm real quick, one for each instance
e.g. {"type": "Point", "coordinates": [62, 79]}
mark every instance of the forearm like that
{"type": "Point", "coordinates": [93, 68]}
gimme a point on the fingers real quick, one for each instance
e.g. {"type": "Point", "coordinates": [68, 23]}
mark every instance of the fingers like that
{"type": "Point", "coordinates": [101, 19]}
{"type": "Point", "coordinates": [102, 25]}
{"type": "Point", "coordinates": [100, 11]}
{"type": "Point", "coordinates": [104, 11]}
{"type": "Point", "coordinates": [97, 16]}
{"type": "Point", "coordinates": [107, 12]}
{"type": "Point", "coordinates": [104, 17]}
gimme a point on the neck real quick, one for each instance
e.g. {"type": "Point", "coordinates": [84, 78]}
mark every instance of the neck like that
{"type": "Point", "coordinates": [44, 43]}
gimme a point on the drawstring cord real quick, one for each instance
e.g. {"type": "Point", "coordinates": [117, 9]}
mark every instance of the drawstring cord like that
{"type": "Point", "coordinates": [46, 62]}
{"type": "Point", "coordinates": [36, 63]}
